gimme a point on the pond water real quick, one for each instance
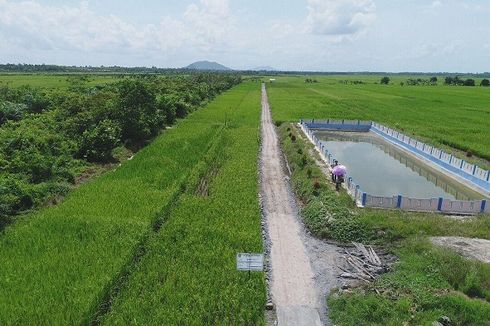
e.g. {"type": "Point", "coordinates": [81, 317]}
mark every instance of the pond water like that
{"type": "Point", "coordinates": [382, 169]}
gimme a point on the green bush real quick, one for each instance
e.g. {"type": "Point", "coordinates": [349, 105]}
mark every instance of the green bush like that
{"type": "Point", "coordinates": [167, 106]}
{"type": "Point", "coordinates": [136, 111]}
{"type": "Point", "coordinates": [96, 144]}
{"type": "Point", "coordinates": [11, 111]}
{"type": "Point", "coordinates": [15, 195]}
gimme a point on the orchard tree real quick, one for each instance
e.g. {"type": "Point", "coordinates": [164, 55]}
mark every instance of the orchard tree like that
{"type": "Point", "coordinates": [97, 143]}
{"type": "Point", "coordinates": [136, 111]}
{"type": "Point", "coordinates": [485, 83]}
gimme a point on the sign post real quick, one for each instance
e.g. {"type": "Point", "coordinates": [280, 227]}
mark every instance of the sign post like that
{"type": "Point", "coordinates": [250, 262]}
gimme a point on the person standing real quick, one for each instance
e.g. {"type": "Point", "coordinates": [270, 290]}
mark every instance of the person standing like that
{"type": "Point", "coordinates": [334, 164]}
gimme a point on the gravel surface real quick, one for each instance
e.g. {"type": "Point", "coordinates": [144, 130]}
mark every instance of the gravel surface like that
{"type": "Point", "coordinates": [301, 268]}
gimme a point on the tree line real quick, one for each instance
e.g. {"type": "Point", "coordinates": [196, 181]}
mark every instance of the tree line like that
{"type": "Point", "coordinates": [49, 136]}
{"type": "Point", "coordinates": [449, 81]}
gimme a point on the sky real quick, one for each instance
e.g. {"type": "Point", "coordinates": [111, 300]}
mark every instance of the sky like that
{"type": "Point", "coordinates": [312, 35]}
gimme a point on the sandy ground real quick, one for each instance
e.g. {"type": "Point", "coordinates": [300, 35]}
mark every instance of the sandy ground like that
{"type": "Point", "coordinates": [478, 249]}
{"type": "Point", "coordinates": [301, 266]}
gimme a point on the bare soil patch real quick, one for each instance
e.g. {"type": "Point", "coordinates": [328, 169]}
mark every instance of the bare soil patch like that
{"type": "Point", "coordinates": [478, 249]}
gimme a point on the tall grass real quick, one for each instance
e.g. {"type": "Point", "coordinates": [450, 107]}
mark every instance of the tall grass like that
{"type": "Point", "coordinates": [58, 264]}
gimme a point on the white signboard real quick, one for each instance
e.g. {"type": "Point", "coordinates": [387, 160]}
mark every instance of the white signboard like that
{"type": "Point", "coordinates": [250, 262]}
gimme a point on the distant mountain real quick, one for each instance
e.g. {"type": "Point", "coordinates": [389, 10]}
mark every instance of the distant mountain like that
{"type": "Point", "coordinates": [207, 65]}
{"type": "Point", "coordinates": [264, 68]}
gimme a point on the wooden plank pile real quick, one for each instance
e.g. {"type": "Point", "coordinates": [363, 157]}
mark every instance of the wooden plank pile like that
{"type": "Point", "coordinates": [362, 263]}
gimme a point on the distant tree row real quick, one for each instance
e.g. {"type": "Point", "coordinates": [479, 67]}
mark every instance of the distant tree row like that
{"type": "Point", "coordinates": [31, 68]}
{"type": "Point", "coordinates": [456, 81]}
{"type": "Point", "coordinates": [47, 136]}
{"type": "Point", "coordinates": [451, 81]}
{"type": "Point", "coordinates": [419, 81]}
{"type": "Point", "coordinates": [352, 82]}
{"type": "Point", "coordinates": [310, 81]}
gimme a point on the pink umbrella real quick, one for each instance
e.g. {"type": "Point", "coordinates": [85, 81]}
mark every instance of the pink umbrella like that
{"type": "Point", "coordinates": [339, 170]}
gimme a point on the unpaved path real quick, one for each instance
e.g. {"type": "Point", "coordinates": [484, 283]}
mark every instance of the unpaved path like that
{"type": "Point", "coordinates": [292, 286]}
{"type": "Point", "coordinates": [478, 249]}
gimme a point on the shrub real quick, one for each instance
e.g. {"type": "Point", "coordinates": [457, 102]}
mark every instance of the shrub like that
{"type": "Point", "coordinates": [385, 80]}
{"type": "Point", "coordinates": [167, 106]}
{"type": "Point", "coordinates": [96, 144]}
{"type": "Point", "coordinates": [11, 111]}
{"type": "Point", "coordinates": [14, 196]}
{"type": "Point", "coordinates": [136, 111]}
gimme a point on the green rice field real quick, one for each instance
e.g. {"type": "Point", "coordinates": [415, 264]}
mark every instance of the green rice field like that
{"type": "Point", "coordinates": [451, 117]}
{"type": "Point", "coordinates": [62, 264]}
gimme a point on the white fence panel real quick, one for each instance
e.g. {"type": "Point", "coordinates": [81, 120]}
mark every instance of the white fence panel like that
{"type": "Point", "coordinates": [445, 157]}
{"type": "Point", "coordinates": [460, 206]}
{"type": "Point", "coordinates": [419, 204]}
{"type": "Point", "coordinates": [436, 152]}
{"type": "Point", "coordinates": [487, 207]}
{"type": "Point", "coordinates": [481, 174]}
{"type": "Point", "coordinates": [351, 122]}
{"type": "Point", "coordinates": [468, 168]}
{"type": "Point", "coordinates": [380, 202]}
{"type": "Point", "coordinates": [456, 162]}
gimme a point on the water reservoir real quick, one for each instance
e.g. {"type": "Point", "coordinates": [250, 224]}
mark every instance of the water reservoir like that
{"type": "Point", "coordinates": [383, 169]}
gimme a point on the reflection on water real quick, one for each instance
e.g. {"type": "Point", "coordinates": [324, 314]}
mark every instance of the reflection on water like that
{"type": "Point", "coordinates": [382, 169]}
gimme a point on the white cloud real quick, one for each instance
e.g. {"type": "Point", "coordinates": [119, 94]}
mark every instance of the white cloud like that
{"type": "Point", "coordinates": [340, 18]}
{"type": "Point", "coordinates": [436, 4]}
{"type": "Point", "coordinates": [30, 25]}
{"type": "Point", "coordinates": [437, 49]}
{"type": "Point", "coordinates": [211, 21]}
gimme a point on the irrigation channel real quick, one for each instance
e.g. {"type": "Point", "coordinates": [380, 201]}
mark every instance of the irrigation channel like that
{"type": "Point", "coordinates": [385, 170]}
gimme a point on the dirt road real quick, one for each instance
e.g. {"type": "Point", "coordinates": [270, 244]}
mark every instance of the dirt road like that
{"type": "Point", "coordinates": [292, 286]}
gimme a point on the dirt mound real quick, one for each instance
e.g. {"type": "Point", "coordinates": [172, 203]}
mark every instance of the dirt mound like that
{"type": "Point", "coordinates": [478, 249]}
